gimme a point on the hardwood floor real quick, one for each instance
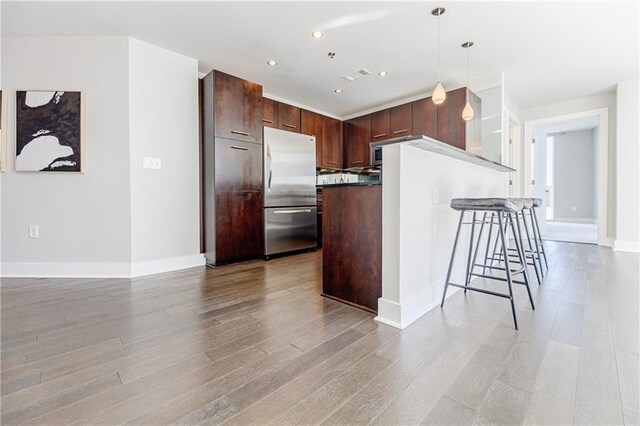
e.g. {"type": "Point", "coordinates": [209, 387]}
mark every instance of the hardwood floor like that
{"type": "Point", "coordinates": [256, 344]}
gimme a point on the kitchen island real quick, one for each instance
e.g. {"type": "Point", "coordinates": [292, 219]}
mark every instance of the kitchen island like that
{"type": "Point", "coordinates": [352, 244]}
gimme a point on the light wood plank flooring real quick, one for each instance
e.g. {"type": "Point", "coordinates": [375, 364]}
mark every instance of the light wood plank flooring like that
{"type": "Point", "coordinates": [256, 344]}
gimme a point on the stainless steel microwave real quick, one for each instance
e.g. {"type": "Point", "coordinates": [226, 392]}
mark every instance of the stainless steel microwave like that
{"type": "Point", "coordinates": [376, 156]}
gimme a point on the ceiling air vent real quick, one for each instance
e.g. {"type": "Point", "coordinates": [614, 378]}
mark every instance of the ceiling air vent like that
{"type": "Point", "coordinates": [356, 75]}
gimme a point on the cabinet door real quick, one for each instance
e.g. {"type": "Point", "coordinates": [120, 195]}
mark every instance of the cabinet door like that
{"type": "Point", "coordinates": [238, 225]}
{"type": "Point", "coordinates": [288, 117]}
{"type": "Point", "coordinates": [425, 119]}
{"type": "Point", "coordinates": [332, 143]}
{"type": "Point", "coordinates": [269, 113]}
{"type": "Point", "coordinates": [356, 142]}
{"type": "Point", "coordinates": [451, 126]}
{"type": "Point", "coordinates": [238, 108]}
{"type": "Point", "coordinates": [311, 124]}
{"type": "Point", "coordinates": [380, 125]}
{"type": "Point", "coordinates": [400, 120]}
{"type": "Point", "coordinates": [238, 166]}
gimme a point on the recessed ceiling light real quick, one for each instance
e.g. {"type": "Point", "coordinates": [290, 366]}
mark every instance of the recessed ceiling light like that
{"type": "Point", "coordinates": [338, 90]}
{"type": "Point", "coordinates": [272, 63]}
{"type": "Point", "coordinates": [382, 73]}
{"type": "Point", "coordinates": [317, 34]}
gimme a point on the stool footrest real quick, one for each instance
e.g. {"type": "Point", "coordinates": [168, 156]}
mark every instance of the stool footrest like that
{"type": "Point", "coordinates": [491, 277]}
{"type": "Point", "coordinates": [481, 290]}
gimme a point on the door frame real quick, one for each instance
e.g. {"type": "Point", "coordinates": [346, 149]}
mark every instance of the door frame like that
{"type": "Point", "coordinates": [512, 152]}
{"type": "Point", "coordinates": [602, 171]}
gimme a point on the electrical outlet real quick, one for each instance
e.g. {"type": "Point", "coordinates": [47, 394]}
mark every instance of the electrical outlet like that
{"type": "Point", "coordinates": [33, 231]}
{"type": "Point", "coordinates": [436, 196]}
{"type": "Point", "coordinates": [151, 163]}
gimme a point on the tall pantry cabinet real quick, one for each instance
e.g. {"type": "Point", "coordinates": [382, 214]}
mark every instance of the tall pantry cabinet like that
{"type": "Point", "coordinates": [232, 169]}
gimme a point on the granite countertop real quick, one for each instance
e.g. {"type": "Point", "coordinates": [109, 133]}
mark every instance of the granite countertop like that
{"type": "Point", "coordinates": [333, 185]}
{"type": "Point", "coordinates": [432, 145]}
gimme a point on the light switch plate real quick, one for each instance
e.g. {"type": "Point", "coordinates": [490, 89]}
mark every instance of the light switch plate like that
{"type": "Point", "coordinates": [33, 231]}
{"type": "Point", "coordinates": [436, 196]}
{"type": "Point", "coordinates": [151, 163]}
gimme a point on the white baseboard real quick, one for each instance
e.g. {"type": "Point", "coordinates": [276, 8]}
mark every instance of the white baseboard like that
{"type": "Point", "coordinates": [631, 246]}
{"type": "Point", "coordinates": [401, 315]}
{"type": "Point", "coordinates": [587, 220]}
{"type": "Point", "coordinates": [139, 269]}
{"type": "Point", "coordinates": [100, 270]}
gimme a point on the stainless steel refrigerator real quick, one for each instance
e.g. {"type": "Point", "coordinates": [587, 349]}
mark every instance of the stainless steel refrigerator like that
{"type": "Point", "coordinates": [290, 212]}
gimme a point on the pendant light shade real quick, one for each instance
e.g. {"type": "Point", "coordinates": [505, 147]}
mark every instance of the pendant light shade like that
{"type": "Point", "coordinates": [467, 111]}
{"type": "Point", "coordinates": [439, 95]}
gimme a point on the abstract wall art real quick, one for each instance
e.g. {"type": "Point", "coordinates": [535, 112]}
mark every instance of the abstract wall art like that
{"type": "Point", "coordinates": [49, 131]}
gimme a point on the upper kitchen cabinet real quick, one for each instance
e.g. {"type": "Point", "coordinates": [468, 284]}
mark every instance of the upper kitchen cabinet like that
{"type": "Point", "coordinates": [311, 124]}
{"type": "Point", "coordinates": [380, 125]}
{"type": "Point", "coordinates": [288, 117]}
{"type": "Point", "coordinates": [331, 143]}
{"type": "Point", "coordinates": [269, 112]}
{"type": "Point", "coordinates": [425, 118]}
{"type": "Point", "coordinates": [237, 106]}
{"type": "Point", "coordinates": [357, 136]}
{"type": "Point", "coordinates": [400, 121]}
{"type": "Point", "coordinates": [452, 129]}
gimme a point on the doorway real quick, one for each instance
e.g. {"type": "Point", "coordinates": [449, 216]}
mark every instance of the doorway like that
{"type": "Point", "coordinates": [565, 166]}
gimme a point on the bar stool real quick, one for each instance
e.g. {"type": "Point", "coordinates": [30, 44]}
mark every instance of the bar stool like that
{"type": "Point", "coordinates": [537, 236]}
{"type": "Point", "coordinates": [504, 209]}
{"type": "Point", "coordinates": [532, 254]}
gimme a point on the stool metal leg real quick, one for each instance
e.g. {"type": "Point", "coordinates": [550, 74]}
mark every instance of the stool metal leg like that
{"type": "Point", "coordinates": [535, 221]}
{"type": "Point", "coordinates": [533, 257]}
{"type": "Point", "coordinates": [507, 268]}
{"type": "Point", "coordinates": [536, 242]}
{"type": "Point", "coordinates": [467, 277]}
{"type": "Point", "coordinates": [522, 257]}
{"type": "Point", "coordinates": [486, 252]}
{"type": "Point", "coordinates": [453, 255]}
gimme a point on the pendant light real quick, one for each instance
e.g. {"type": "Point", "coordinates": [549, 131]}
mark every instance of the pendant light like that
{"type": "Point", "coordinates": [467, 112]}
{"type": "Point", "coordinates": [439, 95]}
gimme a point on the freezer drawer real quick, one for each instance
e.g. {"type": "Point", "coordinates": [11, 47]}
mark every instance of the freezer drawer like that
{"type": "Point", "coordinates": [289, 228]}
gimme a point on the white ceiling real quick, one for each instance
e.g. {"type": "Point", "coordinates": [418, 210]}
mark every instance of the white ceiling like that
{"type": "Point", "coordinates": [573, 125]}
{"type": "Point", "coordinates": [549, 51]}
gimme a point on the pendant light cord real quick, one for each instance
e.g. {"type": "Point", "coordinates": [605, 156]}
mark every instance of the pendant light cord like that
{"type": "Point", "coordinates": [468, 66]}
{"type": "Point", "coordinates": [438, 48]}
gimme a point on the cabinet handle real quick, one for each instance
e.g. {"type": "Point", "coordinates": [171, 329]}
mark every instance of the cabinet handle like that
{"type": "Point", "coordinates": [332, 162]}
{"type": "Point", "coordinates": [399, 131]}
{"type": "Point", "coordinates": [289, 125]}
{"type": "Point", "coordinates": [238, 132]}
{"type": "Point", "coordinates": [267, 121]}
{"type": "Point", "coordinates": [241, 148]}
{"type": "Point", "coordinates": [357, 162]}
{"type": "Point", "coordinates": [380, 135]}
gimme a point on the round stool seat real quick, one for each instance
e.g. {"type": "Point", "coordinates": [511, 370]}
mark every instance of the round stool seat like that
{"type": "Point", "coordinates": [511, 205]}
{"type": "Point", "coordinates": [527, 203]}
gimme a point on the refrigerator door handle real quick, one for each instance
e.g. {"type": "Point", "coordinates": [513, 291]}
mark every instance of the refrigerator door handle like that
{"type": "Point", "coordinates": [269, 156]}
{"type": "Point", "coordinates": [291, 211]}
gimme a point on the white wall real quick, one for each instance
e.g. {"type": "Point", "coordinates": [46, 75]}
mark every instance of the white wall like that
{"type": "Point", "coordinates": [607, 100]}
{"type": "Point", "coordinates": [116, 219]}
{"type": "Point", "coordinates": [163, 116]}
{"type": "Point", "coordinates": [417, 235]}
{"type": "Point", "coordinates": [575, 185]}
{"type": "Point", "coordinates": [627, 171]}
{"type": "Point", "coordinates": [83, 219]}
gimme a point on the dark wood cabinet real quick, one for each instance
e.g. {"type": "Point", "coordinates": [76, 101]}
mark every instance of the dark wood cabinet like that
{"type": "Point", "coordinates": [269, 112]}
{"type": "Point", "coordinates": [452, 129]}
{"type": "Point", "coordinates": [380, 125]}
{"type": "Point", "coordinates": [232, 131]}
{"type": "Point", "coordinates": [352, 245]}
{"type": "Point", "coordinates": [331, 143]}
{"type": "Point", "coordinates": [425, 118]}
{"type": "Point", "coordinates": [400, 121]}
{"type": "Point", "coordinates": [311, 124]}
{"type": "Point", "coordinates": [288, 117]}
{"type": "Point", "coordinates": [238, 107]}
{"type": "Point", "coordinates": [357, 137]}
{"type": "Point", "coordinates": [238, 225]}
